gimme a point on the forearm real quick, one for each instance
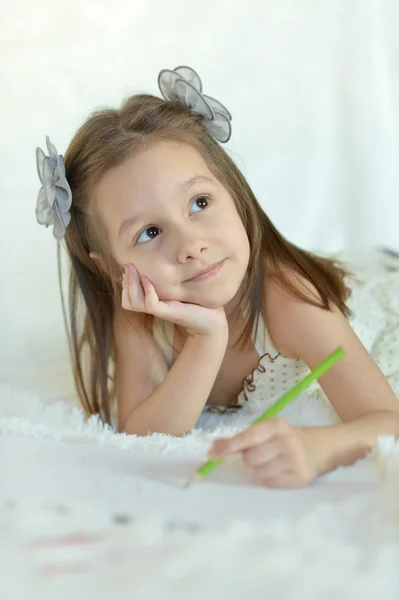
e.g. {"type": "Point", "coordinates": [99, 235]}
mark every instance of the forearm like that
{"type": "Point", "coordinates": [346, 443]}
{"type": "Point", "coordinates": [176, 405]}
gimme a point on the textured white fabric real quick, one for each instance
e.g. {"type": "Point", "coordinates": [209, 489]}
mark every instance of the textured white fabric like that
{"type": "Point", "coordinates": [87, 513]}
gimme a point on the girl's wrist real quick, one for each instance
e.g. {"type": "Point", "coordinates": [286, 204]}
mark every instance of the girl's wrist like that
{"type": "Point", "coordinates": [337, 445]}
{"type": "Point", "coordinates": [215, 341]}
{"type": "Point", "coordinates": [217, 331]}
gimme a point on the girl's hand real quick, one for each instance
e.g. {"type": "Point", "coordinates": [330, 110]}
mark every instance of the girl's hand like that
{"type": "Point", "coordinates": [139, 295]}
{"type": "Point", "coordinates": [279, 455]}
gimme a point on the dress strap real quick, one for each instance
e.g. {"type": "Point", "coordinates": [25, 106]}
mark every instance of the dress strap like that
{"type": "Point", "coordinates": [163, 334]}
{"type": "Point", "coordinates": [262, 341]}
{"type": "Point", "coordinates": [259, 336]}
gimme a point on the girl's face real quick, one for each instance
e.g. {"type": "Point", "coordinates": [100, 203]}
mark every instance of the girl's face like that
{"type": "Point", "coordinates": [165, 212]}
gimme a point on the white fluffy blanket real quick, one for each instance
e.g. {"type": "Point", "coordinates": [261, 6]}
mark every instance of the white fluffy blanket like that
{"type": "Point", "coordinates": [87, 513]}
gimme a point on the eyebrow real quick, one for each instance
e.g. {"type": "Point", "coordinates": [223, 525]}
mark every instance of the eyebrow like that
{"type": "Point", "coordinates": [190, 182]}
{"type": "Point", "coordinates": [186, 184]}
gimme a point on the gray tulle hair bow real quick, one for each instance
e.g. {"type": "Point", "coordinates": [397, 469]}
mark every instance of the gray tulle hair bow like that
{"type": "Point", "coordinates": [184, 85]}
{"type": "Point", "coordinates": [55, 196]}
{"type": "Point", "coordinates": [180, 85]}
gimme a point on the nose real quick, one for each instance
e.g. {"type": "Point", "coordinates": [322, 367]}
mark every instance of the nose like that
{"type": "Point", "coordinates": [189, 246]}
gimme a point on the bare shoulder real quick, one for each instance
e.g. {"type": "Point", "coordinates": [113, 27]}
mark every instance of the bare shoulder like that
{"type": "Point", "coordinates": [277, 291]}
{"type": "Point", "coordinates": [292, 320]}
{"type": "Point", "coordinates": [140, 365]}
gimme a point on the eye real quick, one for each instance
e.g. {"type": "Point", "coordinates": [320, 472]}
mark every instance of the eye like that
{"type": "Point", "coordinates": [151, 232]}
{"type": "Point", "coordinates": [200, 203]}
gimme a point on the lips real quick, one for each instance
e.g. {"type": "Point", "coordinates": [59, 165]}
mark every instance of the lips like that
{"type": "Point", "coordinates": [207, 272]}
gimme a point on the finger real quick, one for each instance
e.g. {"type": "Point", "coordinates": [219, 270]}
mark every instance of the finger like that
{"type": "Point", "coordinates": [281, 472]}
{"type": "Point", "coordinates": [125, 300]}
{"type": "Point", "coordinates": [272, 469]}
{"type": "Point", "coordinates": [257, 456]}
{"type": "Point", "coordinates": [253, 436]}
{"type": "Point", "coordinates": [136, 293]}
{"type": "Point", "coordinates": [169, 310]}
{"type": "Point", "coordinates": [286, 480]}
{"type": "Point", "coordinates": [151, 299]}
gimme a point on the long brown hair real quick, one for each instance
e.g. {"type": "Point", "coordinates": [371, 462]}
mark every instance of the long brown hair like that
{"type": "Point", "coordinates": [104, 141]}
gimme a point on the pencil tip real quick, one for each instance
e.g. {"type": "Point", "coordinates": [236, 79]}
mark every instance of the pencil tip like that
{"type": "Point", "coordinates": [191, 481]}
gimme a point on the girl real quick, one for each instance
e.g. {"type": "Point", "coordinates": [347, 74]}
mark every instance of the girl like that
{"type": "Point", "coordinates": [184, 298]}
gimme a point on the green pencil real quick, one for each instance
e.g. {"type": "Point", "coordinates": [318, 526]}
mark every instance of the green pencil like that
{"type": "Point", "coordinates": [277, 407]}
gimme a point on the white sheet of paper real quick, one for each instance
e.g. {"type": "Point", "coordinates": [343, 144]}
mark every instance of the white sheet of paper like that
{"type": "Point", "coordinates": [144, 482]}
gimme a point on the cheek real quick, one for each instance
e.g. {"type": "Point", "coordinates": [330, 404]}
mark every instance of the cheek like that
{"type": "Point", "coordinates": [242, 240]}
{"type": "Point", "coordinates": [153, 269]}
{"type": "Point", "coordinates": [234, 234]}
{"type": "Point", "coordinates": [158, 272]}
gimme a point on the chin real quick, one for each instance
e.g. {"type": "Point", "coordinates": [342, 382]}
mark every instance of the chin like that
{"type": "Point", "coordinates": [210, 303]}
{"type": "Point", "coordinates": [214, 299]}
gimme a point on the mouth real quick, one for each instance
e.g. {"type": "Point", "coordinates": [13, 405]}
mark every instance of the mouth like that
{"type": "Point", "coordinates": [206, 273]}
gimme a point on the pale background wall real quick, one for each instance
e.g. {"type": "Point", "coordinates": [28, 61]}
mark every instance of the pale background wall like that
{"type": "Point", "coordinates": [313, 86]}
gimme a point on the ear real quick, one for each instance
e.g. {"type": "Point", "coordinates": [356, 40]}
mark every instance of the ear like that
{"type": "Point", "coordinates": [99, 261]}
{"type": "Point", "coordinates": [101, 265]}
